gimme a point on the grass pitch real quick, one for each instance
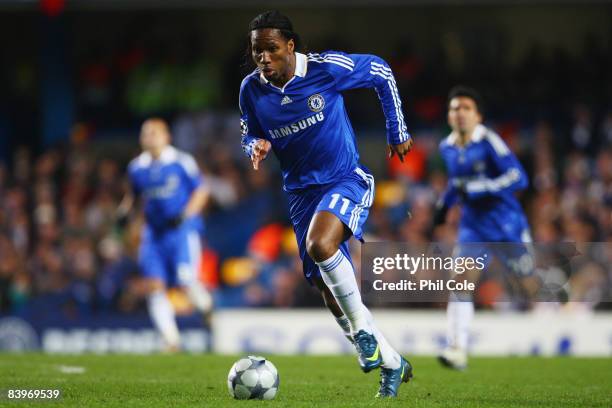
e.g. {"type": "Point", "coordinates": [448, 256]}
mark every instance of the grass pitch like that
{"type": "Point", "coordinates": [305, 381]}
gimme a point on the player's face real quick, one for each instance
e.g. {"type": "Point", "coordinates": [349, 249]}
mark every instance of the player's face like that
{"type": "Point", "coordinates": [272, 53]}
{"type": "Point", "coordinates": [154, 136]}
{"type": "Point", "coordinates": [463, 115]}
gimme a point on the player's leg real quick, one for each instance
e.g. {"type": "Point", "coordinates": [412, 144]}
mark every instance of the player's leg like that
{"type": "Point", "coordinates": [302, 208]}
{"type": "Point", "coordinates": [325, 235]}
{"type": "Point", "coordinates": [340, 214]}
{"type": "Point", "coordinates": [332, 305]}
{"type": "Point", "coordinates": [351, 202]}
{"type": "Point", "coordinates": [391, 358]}
{"type": "Point", "coordinates": [187, 258]}
{"type": "Point", "coordinates": [160, 309]}
{"type": "Point", "coordinates": [518, 258]}
{"type": "Point", "coordinates": [391, 378]}
{"type": "Point", "coordinates": [162, 314]}
{"type": "Point", "coordinates": [459, 316]}
{"type": "Point", "coordinates": [460, 307]}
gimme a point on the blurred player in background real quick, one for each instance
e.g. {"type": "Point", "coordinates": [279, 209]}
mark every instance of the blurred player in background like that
{"type": "Point", "coordinates": [483, 176]}
{"type": "Point", "coordinates": [292, 104]}
{"type": "Point", "coordinates": [174, 194]}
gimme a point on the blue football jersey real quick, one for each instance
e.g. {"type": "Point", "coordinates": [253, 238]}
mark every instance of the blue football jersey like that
{"type": "Point", "coordinates": [306, 120]}
{"type": "Point", "coordinates": [489, 174]}
{"type": "Point", "coordinates": [165, 184]}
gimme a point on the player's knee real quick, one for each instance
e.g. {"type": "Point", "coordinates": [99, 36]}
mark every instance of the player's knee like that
{"type": "Point", "coordinates": [320, 248]}
{"type": "Point", "coordinates": [154, 285]}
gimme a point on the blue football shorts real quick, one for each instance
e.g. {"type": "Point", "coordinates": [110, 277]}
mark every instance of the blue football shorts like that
{"type": "Point", "coordinates": [349, 199]}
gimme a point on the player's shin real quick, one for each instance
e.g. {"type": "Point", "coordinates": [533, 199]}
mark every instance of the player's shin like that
{"type": "Point", "coordinates": [337, 273]}
{"type": "Point", "coordinates": [162, 315]}
{"type": "Point", "coordinates": [345, 325]}
{"type": "Point", "coordinates": [459, 313]}
{"type": "Point", "coordinates": [391, 358]}
{"type": "Point", "coordinates": [199, 296]}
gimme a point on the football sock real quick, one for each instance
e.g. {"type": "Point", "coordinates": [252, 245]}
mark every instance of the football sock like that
{"type": "Point", "coordinates": [391, 358]}
{"type": "Point", "coordinates": [345, 325]}
{"type": "Point", "coordinates": [199, 296]}
{"type": "Point", "coordinates": [337, 273]}
{"type": "Point", "coordinates": [459, 315]}
{"type": "Point", "coordinates": [162, 315]}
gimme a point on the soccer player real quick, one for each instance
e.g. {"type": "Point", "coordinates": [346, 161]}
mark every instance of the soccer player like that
{"type": "Point", "coordinates": [174, 194]}
{"type": "Point", "coordinates": [483, 176]}
{"type": "Point", "coordinates": [292, 104]}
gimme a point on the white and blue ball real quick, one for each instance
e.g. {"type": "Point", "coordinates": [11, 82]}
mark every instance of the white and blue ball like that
{"type": "Point", "coordinates": [253, 377]}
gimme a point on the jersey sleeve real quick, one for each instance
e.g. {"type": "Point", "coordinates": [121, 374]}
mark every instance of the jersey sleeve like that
{"type": "Point", "coordinates": [451, 194]}
{"type": "Point", "coordinates": [193, 176]}
{"type": "Point", "coordinates": [353, 71]}
{"type": "Point", "coordinates": [512, 176]}
{"type": "Point", "coordinates": [132, 179]}
{"type": "Point", "coordinates": [249, 127]}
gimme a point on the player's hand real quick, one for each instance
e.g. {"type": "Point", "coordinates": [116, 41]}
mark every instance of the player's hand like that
{"type": "Point", "coordinates": [401, 149]}
{"type": "Point", "coordinates": [121, 220]}
{"type": "Point", "coordinates": [175, 222]}
{"type": "Point", "coordinates": [122, 217]}
{"type": "Point", "coordinates": [260, 152]}
{"type": "Point", "coordinates": [461, 187]}
{"type": "Point", "coordinates": [439, 217]}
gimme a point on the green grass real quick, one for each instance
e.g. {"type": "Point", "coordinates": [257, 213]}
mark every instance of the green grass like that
{"type": "Point", "coordinates": [200, 380]}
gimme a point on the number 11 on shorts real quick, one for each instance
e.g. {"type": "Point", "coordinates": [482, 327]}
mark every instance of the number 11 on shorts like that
{"type": "Point", "coordinates": [334, 201]}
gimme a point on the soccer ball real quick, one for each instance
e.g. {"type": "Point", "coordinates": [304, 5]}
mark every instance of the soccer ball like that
{"type": "Point", "coordinates": [253, 377]}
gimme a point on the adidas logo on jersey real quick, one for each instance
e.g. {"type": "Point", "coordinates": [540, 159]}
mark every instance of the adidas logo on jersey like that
{"type": "Point", "coordinates": [286, 100]}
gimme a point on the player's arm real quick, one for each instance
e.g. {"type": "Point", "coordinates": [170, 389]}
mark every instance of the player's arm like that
{"type": "Point", "coordinates": [126, 205]}
{"type": "Point", "coordinates": [369, 71]}
{"type": "Point", "coordinates": [200, 191]}
{"type": "Point", "coordinates": [253, 143]}
{"type": "Point", "coordinates": [512, 177]}
{"type": "Point", "coordinates": [197, 201]}
{"type": "Point", "coordinates": [449, 198]}
{"type": "Point", "coordinates": [127, 202]}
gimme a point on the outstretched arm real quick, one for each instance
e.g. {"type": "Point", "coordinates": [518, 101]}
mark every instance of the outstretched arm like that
{"type": "Point", "coordinates": [369, 71]}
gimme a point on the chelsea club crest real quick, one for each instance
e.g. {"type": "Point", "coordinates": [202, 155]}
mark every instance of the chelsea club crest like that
{"type": "Point", "coordinates": [316, 103]}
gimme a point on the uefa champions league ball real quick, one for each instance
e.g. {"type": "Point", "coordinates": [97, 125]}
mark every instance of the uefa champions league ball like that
{"type": "Point", "coordinates": [253, 377]}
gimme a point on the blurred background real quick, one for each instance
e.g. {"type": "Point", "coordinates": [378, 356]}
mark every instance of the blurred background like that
{"type": "Point", "coordinates": [79, 77]}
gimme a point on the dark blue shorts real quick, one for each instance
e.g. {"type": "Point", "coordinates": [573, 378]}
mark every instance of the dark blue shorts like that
{"type": "Point", "coordinates": [349, 199]}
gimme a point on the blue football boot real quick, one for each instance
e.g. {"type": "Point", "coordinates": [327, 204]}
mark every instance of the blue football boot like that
{"type": "Point", "coordinates": [368, 350]}
{"type": "Point", "coordinates": [390, 379]}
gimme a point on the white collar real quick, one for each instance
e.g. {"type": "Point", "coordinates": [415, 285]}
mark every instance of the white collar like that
{"type": "Point", "coordinates": [301, 67]}
{"type": "Point", "coordinates": [477, 135]}
{"type": "Point", "coordinates": [167, 155]}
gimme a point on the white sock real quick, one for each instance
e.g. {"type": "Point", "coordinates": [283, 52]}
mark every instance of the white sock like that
{"type": "Point", "coordinates": [199, 296]}
{"type": "Point", "coordinates": [337, 273]}
{"type": "Point", "coordinates": [391, 358]}
{"type": "Point", "coordinates": [345, 325]}
{"type": "Point", "coordinates": [459, 315]}
{"type": "Point", "coordinates": [162, 315]}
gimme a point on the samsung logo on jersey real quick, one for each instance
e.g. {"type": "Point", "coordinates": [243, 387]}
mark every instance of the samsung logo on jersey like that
{"type": "Point", "coordinates": [297, 126]}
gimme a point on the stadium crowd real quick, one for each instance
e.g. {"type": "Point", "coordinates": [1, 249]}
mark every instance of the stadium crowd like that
{"type": "Point", "coordinates": [61, 248]}
{"type": "Point", "coordinates": [60, 245]}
